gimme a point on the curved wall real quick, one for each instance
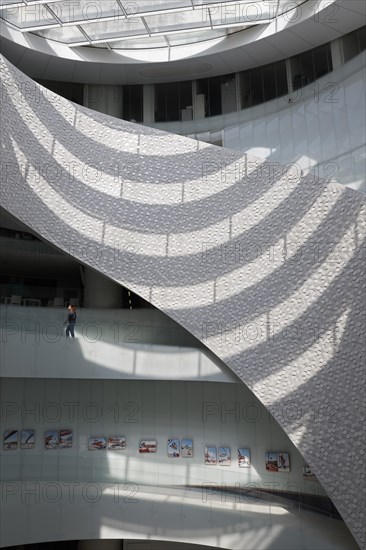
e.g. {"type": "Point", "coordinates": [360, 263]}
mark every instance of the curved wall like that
{"type": "Point", "coordinates": [109, 344]}
{"type": "Point", "coordinates": [146, 495]}
{"type": "Point", "coordinates": [261, 264]}
{"type": "Point", "coordinates": [320, 127]}
{"type": "Point", "coordinates": [218, 415]}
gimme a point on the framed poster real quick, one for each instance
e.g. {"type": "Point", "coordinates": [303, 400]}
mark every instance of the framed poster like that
{"type": "Point", "coordinates": [10, 440]}
{"type": "Point", "coordinates": [271, 462]}
{"type": "Point", "coordinates": [147, 446]}
{"type": "Point", "coordinates": [308, 474]}
{"type": "Point", "coordinates": [210, 455]}
{"type": "Point", "coordinates": [117, 443]}
{"type": "Point", "coordinates": [244, 458]}
{"type": "Point", "coordinates": [174, 448]}
{"type": "Point", "coordinates": [224, 456]}
{"type": "Point", "coordinates": [97, 443]}
{"type": "Point", "coordinates": [27, 439]}
{"type": "Point", "coordinates": [65, 439]}
{"type": "Point", "coordinates": [278, 462]}
{"type": "Point", "coordinates": [187, 448]}
{"type": "Point", "coordinates": [51, 439]}
{"type": "Point", "coordinates": [283, 462]}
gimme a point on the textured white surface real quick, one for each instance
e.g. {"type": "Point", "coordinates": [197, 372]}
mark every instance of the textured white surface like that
{"type": "Point", "coordinates": [293, 331]}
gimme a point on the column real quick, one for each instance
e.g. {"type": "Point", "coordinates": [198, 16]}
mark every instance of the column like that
{"type": "Point", "coordinates": [336, 52]}
{"type": "Point", "coordinates": [101, 292]}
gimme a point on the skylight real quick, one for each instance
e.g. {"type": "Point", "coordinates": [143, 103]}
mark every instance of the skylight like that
{"type": "Point", "coordinates": [121, 24]}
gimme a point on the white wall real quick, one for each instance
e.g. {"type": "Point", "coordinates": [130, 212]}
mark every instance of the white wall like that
{"type": "Point", "coordinates": [322, 129]}
{"type": "Point", "coordinates": [109, 343]}
{"type": "Point", "coordinates": [143, 410]}
{"type": "Point", "coordinates": [75, 493]}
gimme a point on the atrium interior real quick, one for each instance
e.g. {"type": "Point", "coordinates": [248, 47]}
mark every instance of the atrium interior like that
{"type": "Point", "coordinates": [183, 190]}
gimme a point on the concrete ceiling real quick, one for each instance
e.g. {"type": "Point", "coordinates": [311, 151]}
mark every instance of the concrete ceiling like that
{"type": "Point", "coordinates": [42, 59]}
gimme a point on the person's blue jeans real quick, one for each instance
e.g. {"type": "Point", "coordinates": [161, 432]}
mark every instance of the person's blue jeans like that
{"type": "Point", "coordinates": [70, 330]}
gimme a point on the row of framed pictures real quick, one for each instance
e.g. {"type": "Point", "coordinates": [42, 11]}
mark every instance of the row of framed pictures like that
{"type": "Point", "coordinates": [53, 439]}
{"type": "Point", "coordinates": [176, 448]}
{"type": "Point", "coordinates": [223, 456]}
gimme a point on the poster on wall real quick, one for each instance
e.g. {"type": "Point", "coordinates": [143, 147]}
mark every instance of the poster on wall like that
{"type": "Point", "coordinates": [283, 462]}
{"type": "Point", "coordinates": [244, 458]}
{"type": "Point", "coordinates": [117, 443]}
{"type": "Point", "coordinates": [10, 441]}
{"type": "Point", "coordinates": [210, 455]}
{"type": "Point", "coordinates": [278, 462]}
{"type": "Point", "coordinates": [173, 448]}
{"type": "Point", "coordinates": [147, 446]}
{"type": "Point", "coordinates": [271, 462]}
{"type": "Point", "coordinates": [27, 439]}
{"type": "Point", "coordinates": [224, 456]}
{"type": "Point", "coordinates": [308, 474]}
{"type": "Point", "coordinates": [187, 448]}
{"type": "Point", "coordinates": [51, 439]}
{"type": "Point", "coordinates": [97, 443]}
{"type": "Point", "coordinates": [65, 439]}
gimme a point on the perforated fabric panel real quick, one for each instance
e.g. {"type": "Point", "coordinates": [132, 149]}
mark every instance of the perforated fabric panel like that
{"type": "Point", "coordinates": [261, 263]}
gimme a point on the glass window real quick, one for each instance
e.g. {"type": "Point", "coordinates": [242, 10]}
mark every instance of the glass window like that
{"type": "Point", "coordinates": [307, 66]}
{"type": "Point", "coordinates": [269, 82]}
{"type": "Point", "coordinates": [214, 96]}
{"type": "Point", "coordinates": [245, 90]}
{"type": "Point", "coordinates": [350, 46]}
{"type": "Point", "coordinates": [85, 10]}
{"type": "Point", "coordinates": [209, 90]}
{"type": "Point", "coordinates": [228, 93]}
{"type": "Point", "coordinates": [133, 102]}
{"type": "Point", "coordinates": [202, 98]}
{"type": "Point", "coordinates": [145, 6]}
{"type": "Point", "coordinates": [302, 68]}
{"type": "Point", "coordinates": [362, 38]}
{"type": "Point", "coordinates": [263, 84]}
{"type": "Point", "coordinates": [67, 35]}
{"type": "Point", "coordinates": [281, 78]}
{"type": "Point", "coordinates": [256, 84]}
{"type": "Point", "coordinates": [29, 16]}
{"type": "Point", "coordinates": [185, 100]}
{"type": "Point", "coordinates": [105, 30]}
{"type": "Point", "coordinates": [173, 101]}
{"type": "Point", "coordinates": [322, 60]}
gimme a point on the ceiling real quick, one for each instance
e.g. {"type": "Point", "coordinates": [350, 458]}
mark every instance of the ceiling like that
{"type": "Point", "coordinates": [138, 24]}
{"type": "Point", "coordinates": [39, 36]}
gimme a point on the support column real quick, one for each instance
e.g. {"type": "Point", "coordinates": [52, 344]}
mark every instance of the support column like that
{"type": "Point", "coordinates": [101, 292]}
{"type": "Point", "coordinates": [290, 85]}
{"type": "Point", "coordinates": [336, 52]}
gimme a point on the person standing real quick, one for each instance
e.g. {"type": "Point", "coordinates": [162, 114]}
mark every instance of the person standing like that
{"type": "Point", "coordinates": [70, 322]}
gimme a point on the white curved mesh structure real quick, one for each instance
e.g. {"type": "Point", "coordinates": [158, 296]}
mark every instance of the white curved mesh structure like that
{"type": "Point", "coordinates": [261, 264]}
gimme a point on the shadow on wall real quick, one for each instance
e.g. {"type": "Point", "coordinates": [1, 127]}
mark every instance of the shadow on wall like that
{"type": "Point", "coordinates": [262, 265]}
